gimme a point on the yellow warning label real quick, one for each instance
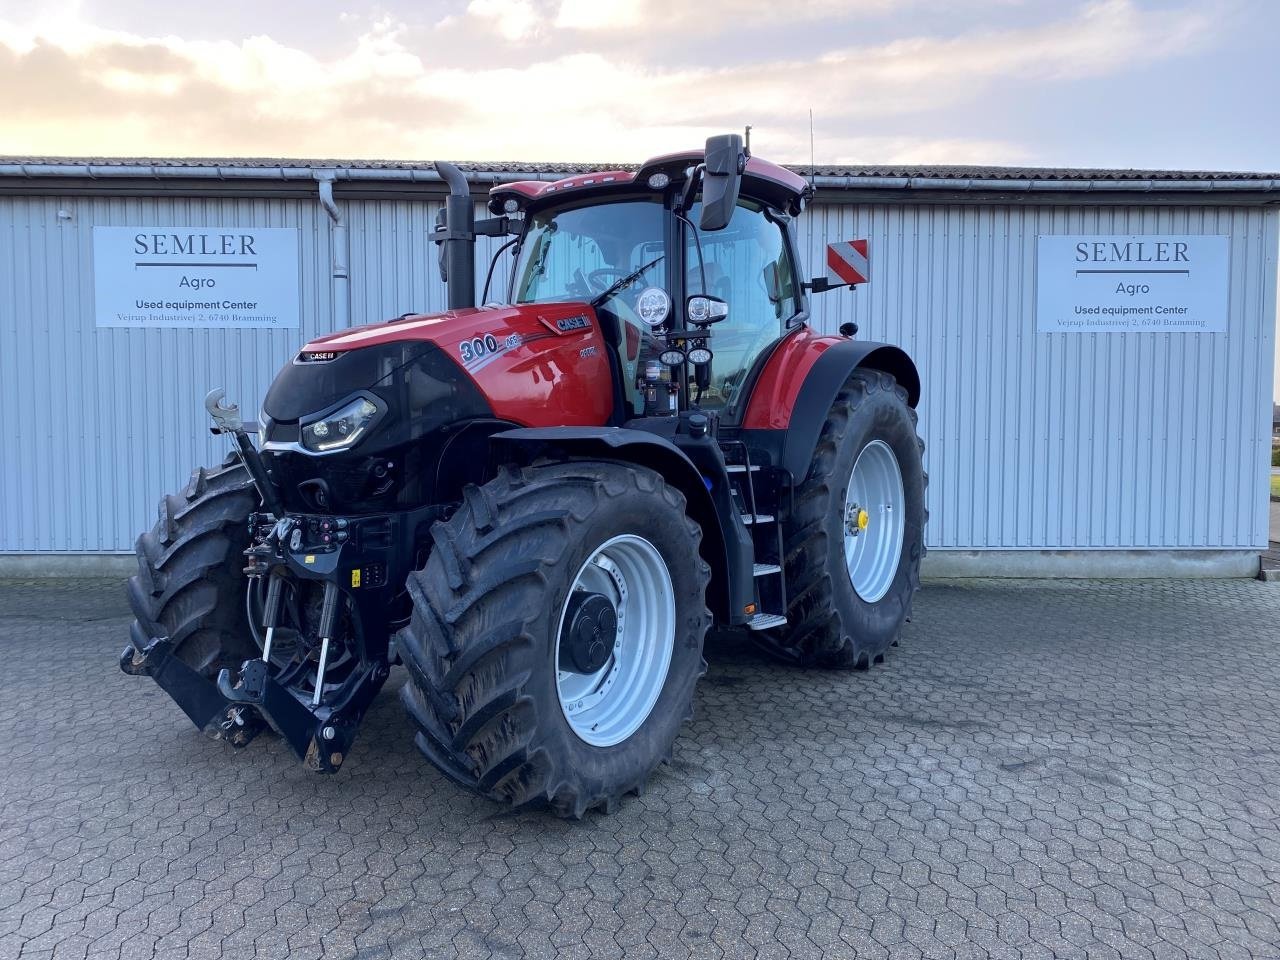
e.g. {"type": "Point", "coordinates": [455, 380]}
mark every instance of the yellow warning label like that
{"type": "Point", "coordinates": [309, 558]}
{"type": "Point", "coordinates": [355, 577]}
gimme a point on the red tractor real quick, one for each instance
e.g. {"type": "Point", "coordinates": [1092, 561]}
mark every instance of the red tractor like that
{"type": "Point", "coordinates": [540, 508]}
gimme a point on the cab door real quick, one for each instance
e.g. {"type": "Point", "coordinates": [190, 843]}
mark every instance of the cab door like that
{"type": "Point", "coordinates": [749, 265]}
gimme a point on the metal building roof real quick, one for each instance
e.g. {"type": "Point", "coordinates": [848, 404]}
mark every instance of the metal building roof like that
{"type": "Point", "coordinates": [934, 181]}
{"type": "Point", "coordinates": [32, 167]}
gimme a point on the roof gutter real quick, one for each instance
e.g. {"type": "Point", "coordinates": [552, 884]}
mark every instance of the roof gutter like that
{"type": "Point", "coordinates": [164, 172]}
{"type": "Point", "coordinates": [1044, 186]}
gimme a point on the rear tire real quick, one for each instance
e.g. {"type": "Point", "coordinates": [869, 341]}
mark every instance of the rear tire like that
{"type": "Point", "coordinates": [190, 584]}
{"type": "Point", "coordinates": [831, 624]}
{"type": "Point", "coordinates": [482, 647]}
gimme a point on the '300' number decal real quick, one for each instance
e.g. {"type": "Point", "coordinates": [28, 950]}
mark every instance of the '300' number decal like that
{"type": "Point", "coordinates": [477, 347]}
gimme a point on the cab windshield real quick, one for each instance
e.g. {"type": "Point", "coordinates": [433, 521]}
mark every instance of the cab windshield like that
{"type": "Point", "coordinates": [581, 253]}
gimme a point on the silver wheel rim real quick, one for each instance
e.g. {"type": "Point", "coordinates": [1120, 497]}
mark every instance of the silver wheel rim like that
{"type": "Point", "coordinates": [874, 521]}
{"type": "Point", "coordinates": [607, 706]}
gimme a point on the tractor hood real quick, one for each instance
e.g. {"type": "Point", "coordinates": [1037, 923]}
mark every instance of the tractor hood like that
{"type": "Point", "coordinates": [331, 368]}
{"type": "Point", "coordinates": [516, 362]}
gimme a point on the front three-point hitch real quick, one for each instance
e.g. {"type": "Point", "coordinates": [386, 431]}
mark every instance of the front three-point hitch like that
{"type": "Point", "coordinates": [324, 651]}
{"type": "Point", "coordinates": [321, 604]}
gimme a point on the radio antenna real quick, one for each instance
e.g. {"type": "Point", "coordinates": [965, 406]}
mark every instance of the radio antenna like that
{"type": "Point", "coordinates": [812, 168]}
{"type": "Point", "coordinates": [811, 161]}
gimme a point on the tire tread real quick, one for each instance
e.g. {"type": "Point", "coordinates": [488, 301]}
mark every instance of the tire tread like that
{"type": "Point", "coordinates": [469, 659]}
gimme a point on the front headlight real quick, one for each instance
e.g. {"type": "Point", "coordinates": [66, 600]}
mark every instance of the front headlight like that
{"type": "Point", "coordinates": [341, 428]}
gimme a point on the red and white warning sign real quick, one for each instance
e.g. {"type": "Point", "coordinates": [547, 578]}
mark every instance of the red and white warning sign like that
{"type": "Point", "coordinates": [847, 262]}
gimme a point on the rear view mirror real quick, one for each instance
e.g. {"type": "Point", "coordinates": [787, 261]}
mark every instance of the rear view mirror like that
{"type": "Point", "coordinates": [442, 257]}
{"type": "Point", "coordinates": [702, 310]}
{"type": "Point", "coordinates": [721, 180]}
{"type": "Point", "coordinates": [772, 285]}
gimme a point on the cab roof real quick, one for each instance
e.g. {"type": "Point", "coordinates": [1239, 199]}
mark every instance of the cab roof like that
{"type": "Point", "coordinates": [761, 180]}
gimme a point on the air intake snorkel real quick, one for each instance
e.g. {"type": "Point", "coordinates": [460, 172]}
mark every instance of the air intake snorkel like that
{"type": "Point", "coordinates": [455, 232]}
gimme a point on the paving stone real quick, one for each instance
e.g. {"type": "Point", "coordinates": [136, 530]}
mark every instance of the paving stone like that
{"type": "Point", "coordinates": [1065, 769]}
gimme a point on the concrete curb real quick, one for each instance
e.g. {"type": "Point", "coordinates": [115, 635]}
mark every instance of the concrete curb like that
{"type": "Point", "coordinates": [1091, 564]}
{"type": "Point", "coordinates": [50, 566]}
{"type": "Point", "coordinates": [937, 565]}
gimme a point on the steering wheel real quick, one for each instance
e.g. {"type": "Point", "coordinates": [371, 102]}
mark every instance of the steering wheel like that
{"type": "Point", "coordinates": [603, 278]}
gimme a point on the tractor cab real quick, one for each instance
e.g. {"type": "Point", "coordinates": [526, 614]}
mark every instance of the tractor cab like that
{"type": "Point", "coordinates": [691, 295]}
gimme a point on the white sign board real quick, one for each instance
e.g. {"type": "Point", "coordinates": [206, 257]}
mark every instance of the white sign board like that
{"type": "Point", "coordinates": [195, 276]}
{"type": "Point", "coordinates": [1151, 284]}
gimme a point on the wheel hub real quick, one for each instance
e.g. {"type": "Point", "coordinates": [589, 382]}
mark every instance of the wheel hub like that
{"type": "Point", "coordinates": [615, 640]}
{"type": "Point", "coordinates": [589, 634]}
{"type": "Point", "coordinates": [874, 521]}
{"type": "Point", "coordinates": [857, 520]}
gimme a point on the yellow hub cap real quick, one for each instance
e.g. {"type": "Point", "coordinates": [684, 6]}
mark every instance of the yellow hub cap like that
{"type": "Point", "coordinates": [864, 518]}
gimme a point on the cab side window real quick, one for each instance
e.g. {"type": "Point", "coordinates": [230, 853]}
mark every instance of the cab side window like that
{"type": "Point", "coordinates": [748, 266]}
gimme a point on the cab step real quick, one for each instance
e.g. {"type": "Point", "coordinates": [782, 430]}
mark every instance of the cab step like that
{"type": "Point", "coordinates": [764, 569]}
{"type": "Point", "coordinates": [752, 518]}
{"type": "Point", "coordinates": [766, 621]}
{"type": "Point", "coordinates": [741, 467]}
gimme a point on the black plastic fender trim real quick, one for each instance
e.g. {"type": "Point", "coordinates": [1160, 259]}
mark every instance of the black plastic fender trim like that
{"type": "Point", "coordinates": [823, 382]}
{"type": "Point", "coordinates": [726, 592]}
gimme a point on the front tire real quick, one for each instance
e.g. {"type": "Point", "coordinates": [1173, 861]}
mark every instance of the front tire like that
{"type": "Point", "coordinates": [502, 705]}
{"type": "Point", "coordinates": [190, 582]}
{"type": "Point", "coordinates": [855, 538]}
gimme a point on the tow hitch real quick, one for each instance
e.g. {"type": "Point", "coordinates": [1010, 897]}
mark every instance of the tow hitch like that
{"type": "Point", "coordinates": [320, 736]}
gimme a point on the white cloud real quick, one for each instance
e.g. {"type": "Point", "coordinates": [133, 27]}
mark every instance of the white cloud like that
{"type": "Point", "coordinates": [514, 19]}
{"type": "Point", "coordinates": [600, 14]}
{"type": "Point", "coordinates": [88, 90]}
{"type": "Point", "coordinates": [604, 15]}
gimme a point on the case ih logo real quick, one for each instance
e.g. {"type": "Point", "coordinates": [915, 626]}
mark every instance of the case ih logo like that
{"type": "Point", "coordinates": [847, 262]}
{"type": "Point", "coordinates": [565, 324]}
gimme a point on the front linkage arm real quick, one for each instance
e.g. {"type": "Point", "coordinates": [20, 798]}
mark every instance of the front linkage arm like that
{"type": "Point", "coordinates": [195, 693]}
{"type": "Point", "coordinates": [321, 736]}
{"type": "Point", "coordinates": [226, 419]}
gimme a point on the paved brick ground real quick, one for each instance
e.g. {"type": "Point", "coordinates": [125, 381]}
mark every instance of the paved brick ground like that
{"type": "Point", "coordinates": [1041, 770]}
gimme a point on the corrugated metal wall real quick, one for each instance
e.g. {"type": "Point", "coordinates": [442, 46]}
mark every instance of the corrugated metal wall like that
{"type": "Point", "coordinates": [105, 420]}
{"type": "Point", "coordinates": [1035, 440]}
{"type": "Point", "coordinates": [1073, 440]}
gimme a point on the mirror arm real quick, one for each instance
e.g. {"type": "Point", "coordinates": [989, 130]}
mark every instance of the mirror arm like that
{"type": "Point", "coordinates": [498, 227]}
{"type": "Point", "coordinates": [690, 189]}
{"type": "Point", "coordinates": [821, 285]}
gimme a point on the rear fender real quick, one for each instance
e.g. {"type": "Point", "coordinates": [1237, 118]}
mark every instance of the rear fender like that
{"type": "Point", "coordinates": [642, 449]}
{"type": "Point", "coordinates": [789, 405]}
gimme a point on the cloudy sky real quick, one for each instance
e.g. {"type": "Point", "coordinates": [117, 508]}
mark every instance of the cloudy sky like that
{"type": "Point", "coordinates": [1126, 83]}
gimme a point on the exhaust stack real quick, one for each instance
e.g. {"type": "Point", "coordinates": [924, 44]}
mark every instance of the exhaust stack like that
{"type": "Point", "coordinates": [455, 232]}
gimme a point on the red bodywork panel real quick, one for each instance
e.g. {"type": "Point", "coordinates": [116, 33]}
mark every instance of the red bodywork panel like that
{"type": "Point", "coordinates": [774, 396]}
{"type": "Point", "coordinates": [762, 180]}
{"type": "Point", "coordinates": [539, 365]}
{"type": "Point", "coordinates": [534, 189]}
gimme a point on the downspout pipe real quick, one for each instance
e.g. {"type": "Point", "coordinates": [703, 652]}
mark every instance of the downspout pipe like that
{"type": "Point", "coordinates": [339, 251]}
